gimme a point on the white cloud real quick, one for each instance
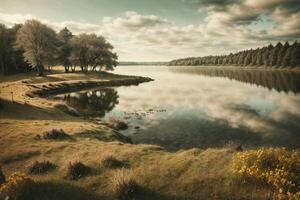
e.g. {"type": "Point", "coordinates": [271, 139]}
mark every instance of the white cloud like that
{"type": "Point", "coordinates": [225, 29]}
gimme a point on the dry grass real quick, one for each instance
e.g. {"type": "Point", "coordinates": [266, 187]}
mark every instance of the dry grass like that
{"type": "Point", "coordinates": [190, 174]}
{"type": "Point", "coordinates": [2, 177]}
{"type": "Point", "coordinates": [41, 167]}
{"type": "Point", "coordinates": [124, 185]}
{"type": "Point", "coordinates": [18, 186]}
{"type": "Point", "coordinates": [77, 170]}
{"type": "Point", "coordinates": [110, 161]}
{"type": "Point", "coordinates": [55, 134]}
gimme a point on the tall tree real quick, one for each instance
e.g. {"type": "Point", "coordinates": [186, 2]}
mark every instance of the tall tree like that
{"type": "Point", "coordinates": [91, 51]}
{"type": "Point", "coordinates": [287, 57]}
{"type": "Point", "coordinates": [274, 54]}
{"type": "Point", "coordinates": [281, 53]}
{"type": "Point", "coordinates": [65, 36]}
{"type": "Point", "coordinates": [295, 55]}
{"type": "Point", "coordinates": [5, 48]}
{"type": "Point", "coordinates": [38, 42]}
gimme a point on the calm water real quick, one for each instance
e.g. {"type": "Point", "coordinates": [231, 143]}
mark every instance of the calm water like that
{"type": "Point", "coordinates": [201, 107]}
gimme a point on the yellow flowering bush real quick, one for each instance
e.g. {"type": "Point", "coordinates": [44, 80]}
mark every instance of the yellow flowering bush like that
{"type": "Point", "coordinates": [277, 167]}
{"type": "Point", "coordinates": [17, 186]}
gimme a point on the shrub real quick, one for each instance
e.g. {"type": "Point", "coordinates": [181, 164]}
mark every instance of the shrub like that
{"type": "Point", "coordinates": [277, 167]}
{"type": "Point", "coordinates": [18, 186]}
{"type": "Point", "coordinates": [41, 167]}
{"type": "Point", "coordinates": [77, 170]}
{"type": "Point", "coordinates": [2, 177]}
{"type": "Point", "coordinates": [55, 134]}
{"type": "Point", "coordinates": [110, 161]}
{"type": "Point", "coordinates": [117, 124]}
{"type": "Point", "coordinates": [123, 184]}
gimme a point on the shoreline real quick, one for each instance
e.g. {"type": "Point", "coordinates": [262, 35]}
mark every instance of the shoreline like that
{"type": "Point", "coordinates": [227, 67]}
{"type": "Point", "coordinates": [159, 172]}
{"type": "Point", "coordinates": [48, 89]}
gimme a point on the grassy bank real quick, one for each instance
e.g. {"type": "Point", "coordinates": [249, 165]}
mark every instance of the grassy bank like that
{"type": "Point", "coordinates": [87, 160]}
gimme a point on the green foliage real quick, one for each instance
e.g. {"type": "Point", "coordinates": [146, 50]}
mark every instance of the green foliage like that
{"type": "Point", "coordinates": [280, 55]}
{"type": "Point", "coordinates": [11, 59]}
{"type": "Point", "coordinates": [65, 36]}
{"type": "Point", "coordinates": [36, 45]}
{"type": "Point", "coordinates": [90, 51]}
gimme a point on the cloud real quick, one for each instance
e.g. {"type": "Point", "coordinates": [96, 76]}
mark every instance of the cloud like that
{"type": "Point", "coordinates": [227, 27]}
{"type": "Point", "coordinates": [217, 5]}
{"type": "Point", "coordinates": [133, 21]}
{"type": "Point", "coordinates": [11, 19]}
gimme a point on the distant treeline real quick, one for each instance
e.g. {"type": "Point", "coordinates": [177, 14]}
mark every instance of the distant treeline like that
{"type": "Point", "coordinates": [34, 45]}
{"type": "Point", "coordinates": [280, 55]}
{"type": "Point", "coordinates": [142, 63]}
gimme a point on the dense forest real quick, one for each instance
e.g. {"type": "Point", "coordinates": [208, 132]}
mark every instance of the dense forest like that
{"type": "Point", "coordinates": [280, 55]}
{"type": "Point", "coordinates": [34, 45]}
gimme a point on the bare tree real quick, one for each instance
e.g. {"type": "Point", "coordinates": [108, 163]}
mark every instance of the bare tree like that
{"type": "Point", "coordinates": [39, 44]}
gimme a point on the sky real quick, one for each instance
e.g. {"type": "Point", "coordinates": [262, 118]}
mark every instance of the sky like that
{"type": "Point", "coordinates": [162, 30]}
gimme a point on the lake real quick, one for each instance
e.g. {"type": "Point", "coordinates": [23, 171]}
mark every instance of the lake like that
{"type": "Point", "coordinates": [201, 107]}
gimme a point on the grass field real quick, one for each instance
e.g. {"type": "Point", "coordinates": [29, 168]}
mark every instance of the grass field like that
{"type": "Point", "coordinates": [148, 171]}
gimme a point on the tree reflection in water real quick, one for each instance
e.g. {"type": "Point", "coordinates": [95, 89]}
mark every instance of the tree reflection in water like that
{"type": "Point", "coordinates": [279, 80]}
{"type": "Point", "coordinates": [95, 103]}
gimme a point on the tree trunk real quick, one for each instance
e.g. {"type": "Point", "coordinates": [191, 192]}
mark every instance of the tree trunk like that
{"type": "Point", "coordinates": [40, 70]}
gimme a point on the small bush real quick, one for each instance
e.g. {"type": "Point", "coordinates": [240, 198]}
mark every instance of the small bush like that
{"type": "Point", "coordinates": [2, 177]}
{"type": "Point", "coordinates": [77, 170]}
{"type": "Point", "coordinates": [18, 186]}
{"type": "Point", "coordinates": [117, 124]}
{"type": "Point", "coordinates": [123, 184]}
{"type": "Point", "coordinates": [41, 167]}
{"type": "Point", "coordinates": [55, 134]}
{"type": "Point", "coordinates": [110, 161]}
{"type": "Point", "coordinates": [277, 167]}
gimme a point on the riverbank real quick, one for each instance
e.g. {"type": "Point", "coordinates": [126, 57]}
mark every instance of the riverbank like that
{"type": "Point", "coordinates": [233, 67]}
{"type": "Point", "coordinates": [159, 174]}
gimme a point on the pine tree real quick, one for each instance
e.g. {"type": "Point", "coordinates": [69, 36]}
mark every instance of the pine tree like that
{"type": "Point", "coordinates": [274, 54]}
{"type": "Point", "coordinates": [295, 55]}
{"type": "Point", "coordinates": [281, 54]}
{"type": "Point", "coordinates": [287, 57]}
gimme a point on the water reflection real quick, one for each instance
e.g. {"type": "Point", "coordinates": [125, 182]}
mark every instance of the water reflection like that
{"type": "Point", "coordinates": [279, 80]}
{"type": "Point", "coordinates": [95, 103]}
{"type": "Point", "coordinates": [180, 110]}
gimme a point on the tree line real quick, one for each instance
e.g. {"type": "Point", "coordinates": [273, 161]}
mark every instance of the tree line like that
{"type": "Point", "coordinates": [34, 45]}
{"type": "Point", "coordinates": [280, 55]}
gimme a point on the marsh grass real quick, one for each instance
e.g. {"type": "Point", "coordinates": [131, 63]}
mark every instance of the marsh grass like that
{"type": "Point", "coordinates": [41, 167]}
{"type": "Point", "coordinates": [77, 170]}
{"type": "Point", "coordinates": [124, 185]}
